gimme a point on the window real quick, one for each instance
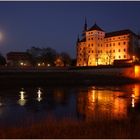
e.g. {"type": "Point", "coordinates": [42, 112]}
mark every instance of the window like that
{"type": "Point", "coordinates": [101, 45]}
{"type": "Point", "coordinates": [124, 50]}
{"type": "Point", "coordinates": [124, 43]}
{"type": "Point", "coordinates": [114, 57]}
{"type": "Point", "coordinates": [89, 39]}
{"type": "Point", "coordinates": [92, 38]}
{"type": "Point", "coordinates": [119, 56]}
{"type": "Point", "coordinates": [92, 51]}
{"type": "Point", "coordinates": [124, 56]}
{"type": "Point", "coordinates": [119, 50]}
{"type": "Point", "coordinates": [89, 45]}
{"type": "Point", "coordinates": [113, 50]}
{"type": "Point", "coordinates": [110, 44]}
{"type": "Point", "coordinates": [89, 51]}
{"type": "Point", "coordinates": [107, 45]}
{"type": "Point", "coordinates": [113, 44]}
{"type": "Point", "coordinates": [119, 43]}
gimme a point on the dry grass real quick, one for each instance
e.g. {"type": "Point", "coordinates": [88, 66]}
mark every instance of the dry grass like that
{"type": "Point", "coordinates": [72, 129]}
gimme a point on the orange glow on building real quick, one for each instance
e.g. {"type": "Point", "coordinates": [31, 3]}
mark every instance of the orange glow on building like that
{"type": "Point", "coordinates": [137, 71]}
{"type": "Point", "coordinates": [99, 48]}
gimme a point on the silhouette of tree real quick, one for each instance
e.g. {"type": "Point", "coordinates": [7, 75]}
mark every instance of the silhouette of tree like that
{"type": "Point", "coordinates": [2, 60]}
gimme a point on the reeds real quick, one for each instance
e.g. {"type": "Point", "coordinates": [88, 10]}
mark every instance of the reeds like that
{"type": "Point", "coordinates": [68, 129]}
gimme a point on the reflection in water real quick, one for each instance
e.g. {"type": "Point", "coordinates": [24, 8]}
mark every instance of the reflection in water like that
{"type": "Point", "coordinates": [22, 100]}
{"type": "Point", "coordinates": [87, 103]}
{"type": "Point", "coordinates": [39, 92]}
{"type": "Point", "coordinates": [97, 103]}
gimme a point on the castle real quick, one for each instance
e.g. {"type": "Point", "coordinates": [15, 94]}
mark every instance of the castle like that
{"type": "Point", "coordinates": [99, 48]}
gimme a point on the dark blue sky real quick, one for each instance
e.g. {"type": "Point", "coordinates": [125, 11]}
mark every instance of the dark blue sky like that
{"type": "Point", "coordinates": [57, 24]}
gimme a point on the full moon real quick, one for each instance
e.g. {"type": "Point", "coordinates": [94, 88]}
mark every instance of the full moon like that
{"type": "Point", "coordinates": [0, 36]}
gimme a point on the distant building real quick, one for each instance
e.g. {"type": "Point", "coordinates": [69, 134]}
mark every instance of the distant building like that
{"type": "Point", "coordinates": [99, 48]}
{"type": "Point", "coordinates": [59, 62]}
{"type": "Point", "coordinates": [18, 59]}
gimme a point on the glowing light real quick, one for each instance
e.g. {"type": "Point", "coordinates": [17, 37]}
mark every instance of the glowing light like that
{"type": "Point", "coordinates": [21, 63]}
{"type": "Point", "coordinates": [48, 65]}
{"type": "Point", "coordinates": [38, 64]}
{"type": "Point", "coordinates": [133, 96]}
{"type": "Point", "coordinates": [133, 102]}
{"type": "Point", "coordinates": [39, 95]}
{"type": "Point", "coordinates": [22, 100]}
{"type": "Point", "coordinates": [137, 71]}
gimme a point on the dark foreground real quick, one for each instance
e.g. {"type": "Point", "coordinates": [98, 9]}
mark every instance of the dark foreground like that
{"type": "Point", "coordinates": [73, 129]}
{"type": "Point", "coordinates": [58, 78]}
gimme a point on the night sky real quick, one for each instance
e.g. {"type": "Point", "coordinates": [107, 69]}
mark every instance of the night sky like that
{"type": "Point", "coordinates": [57, 24]}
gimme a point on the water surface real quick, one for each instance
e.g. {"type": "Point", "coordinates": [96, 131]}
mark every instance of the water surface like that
{"type": "Point", "coordinates": [89, 103]}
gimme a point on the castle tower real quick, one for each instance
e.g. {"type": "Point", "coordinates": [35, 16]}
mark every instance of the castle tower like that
{"type": "Point", "coordinates": [95, 41]}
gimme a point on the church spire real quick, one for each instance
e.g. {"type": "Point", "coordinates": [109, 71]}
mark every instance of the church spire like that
{"type": "Point", "coordinates": [85, 26]}
{"type": "Point", "coordinates": [78, 39]}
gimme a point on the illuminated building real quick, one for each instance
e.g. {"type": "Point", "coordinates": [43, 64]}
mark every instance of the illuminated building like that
{"type": "Point", "coordinates": [18, 59]}
{"type": "Point", "coordinates": [96, 47]}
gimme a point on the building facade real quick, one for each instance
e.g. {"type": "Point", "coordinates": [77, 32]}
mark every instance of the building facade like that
{"type": "Point", "coordinates": [18, 59]}
{"type": "Point", "coordinates": [99, 48]}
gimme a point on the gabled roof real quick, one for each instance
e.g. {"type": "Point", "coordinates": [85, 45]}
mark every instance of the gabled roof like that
{"type": "Point", "coordinates": [95, 27]}
{"type": "Point", "coordinates": [121, 32]}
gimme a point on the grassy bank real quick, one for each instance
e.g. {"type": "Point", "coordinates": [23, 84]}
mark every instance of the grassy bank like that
{"type": "Point", "coordinates": [58, 78]}
{"type": "Point", "coordinates": [71, 129]}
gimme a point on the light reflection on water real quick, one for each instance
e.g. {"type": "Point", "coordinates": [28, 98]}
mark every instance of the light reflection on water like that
{"type": "Point", "coordinates": [86, 103]}
{"type": "Point", "coordinates": [22, 100]}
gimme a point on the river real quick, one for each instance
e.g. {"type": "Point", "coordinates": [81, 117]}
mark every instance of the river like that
{"type": "Point", "coordinates": [86, 103]}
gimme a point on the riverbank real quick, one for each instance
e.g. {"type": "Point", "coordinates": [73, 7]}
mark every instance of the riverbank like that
{"type": "Point", "coordinates": [69, 129]}
{"type": "Point", "coordinates": [73, 76]}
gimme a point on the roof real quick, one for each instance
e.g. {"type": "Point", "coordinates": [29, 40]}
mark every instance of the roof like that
{"type": "Point", "coordinates": [95, 27]}
{"type": "Point", "coordinates": [121, 32]}
{"type": "Point", "coordinates": [17, 55]}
